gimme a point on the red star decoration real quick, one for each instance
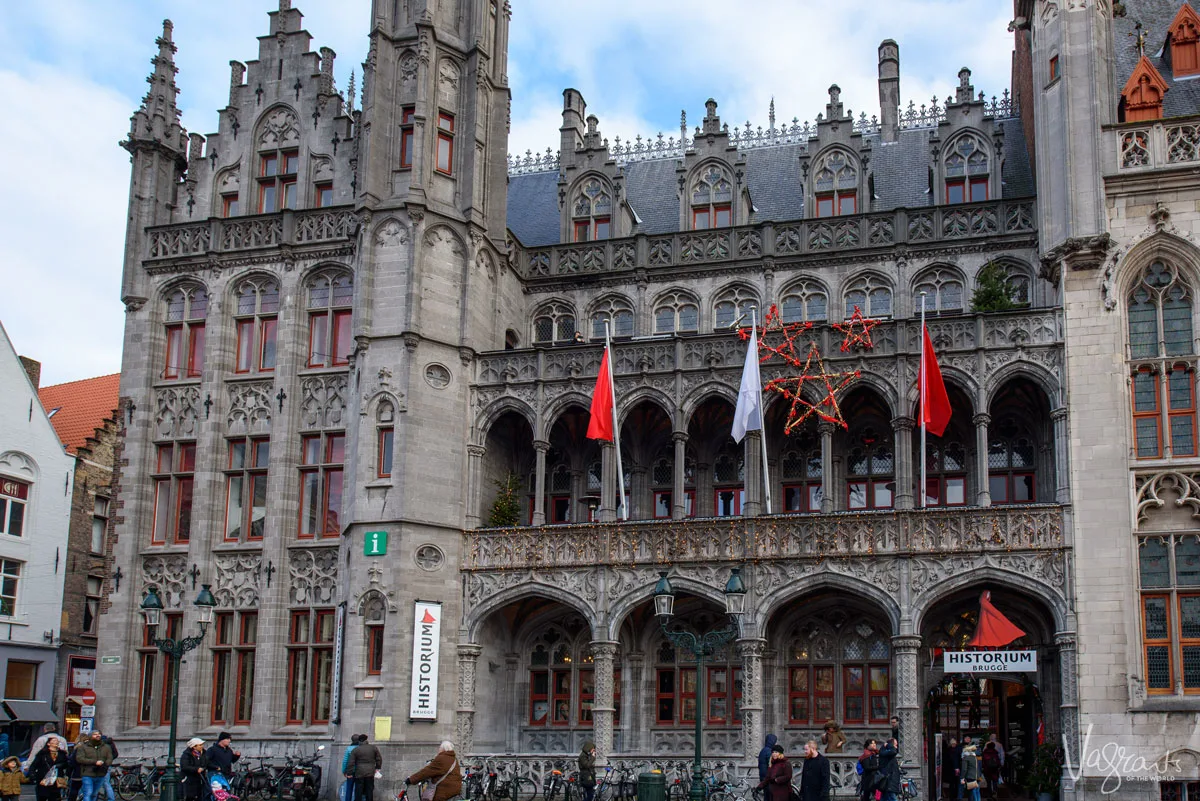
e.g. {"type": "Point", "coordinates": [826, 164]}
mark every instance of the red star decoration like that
{"type": "Point", "coordinates": [813, 370]}
{"type": "Point", "coordinates": [856, 331]}
{"type": "Point", "coordinates": [777, 338]}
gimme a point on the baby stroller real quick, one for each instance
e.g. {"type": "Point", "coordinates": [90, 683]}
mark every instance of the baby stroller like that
{"type": "Point", "coordinates": [220, 788]}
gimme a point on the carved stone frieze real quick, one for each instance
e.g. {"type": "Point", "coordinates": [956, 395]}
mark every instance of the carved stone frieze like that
{"type": "Point", "coordinates": [175, 414]}
{"type": "Point", "coordinates": [323, 401]}
{"type": "Point", "coordinates": [237, 579]}
{"type": "Point", "coordinates": [249, 408]}
{"type": "Point", "coordinates": [167, 573]}
{"type": "Point", "coordinates": [581, 583]}
{"type": "Point", "coordinates": [391, 234]}
{"type": "Point", "coordinates": [313, 573]}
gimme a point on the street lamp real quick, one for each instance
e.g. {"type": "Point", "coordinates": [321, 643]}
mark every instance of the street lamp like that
{"type": "Point", "coordinates": [152, 607]}
{"type": "Point", "coordinates": [701, 647]}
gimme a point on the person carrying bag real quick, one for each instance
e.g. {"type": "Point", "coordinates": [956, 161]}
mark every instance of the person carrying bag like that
{"type": "Point", "coordinates": [444, 768]}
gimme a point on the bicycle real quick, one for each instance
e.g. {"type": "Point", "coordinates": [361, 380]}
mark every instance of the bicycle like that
{"type": "Point", "coordinates": [617, 784]}
{"type": "Point", "coordinates": [556, 783]}
{"type": "Point", "coordinates": [511, 787]}
{"type": "Point", "coordinates": [139, 779]}
{"type": "Point", "coordinates": [476, 783]}
{"type": "Point", "coordinates": [908, 786]}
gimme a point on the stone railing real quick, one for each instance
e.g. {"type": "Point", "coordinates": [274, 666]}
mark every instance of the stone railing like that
{"type": "Point", "coordinates": [250, 233]}
{"type": "Point", "coordinates": [1150, 146]}
{"type": "Point", "coordinates": [776, 537]}
{"type": "Point", "coordinates": [822, 236]}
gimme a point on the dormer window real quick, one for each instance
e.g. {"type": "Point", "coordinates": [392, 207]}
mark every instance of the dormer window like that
{"type": "Point", "coordinates": [277, 180]}
{"type": "Point", "coordinates": [835, 186]}
{"type": "Point", "coordinates": [712, 200]}
{"type": "Point", "coordinates": [967, 173]}
{"type": "Point", "coordinates": [592, 212]}
{"type": "Point", "coordinates": [1184, 38]}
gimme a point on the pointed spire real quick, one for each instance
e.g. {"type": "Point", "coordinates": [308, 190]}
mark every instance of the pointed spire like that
{"type": "Point", "coordinates": [350, 94]}
{"type": "Point", "coordinates": [157, 120]}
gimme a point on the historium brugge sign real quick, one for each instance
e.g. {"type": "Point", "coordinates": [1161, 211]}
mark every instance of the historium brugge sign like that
{"type": "Point", "coordinates": [989, 661]}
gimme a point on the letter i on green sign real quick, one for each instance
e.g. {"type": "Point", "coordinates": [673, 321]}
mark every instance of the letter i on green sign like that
{"type": "Point", "coordinates": [375, 543]}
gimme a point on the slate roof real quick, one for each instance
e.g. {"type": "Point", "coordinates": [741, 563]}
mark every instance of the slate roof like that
{"type": "Point", "coordinates": [1183, 96]}
{"type": "Point", "coordinates": [773, 176]}
{"type": "Point", "coordinates": [78, 408]}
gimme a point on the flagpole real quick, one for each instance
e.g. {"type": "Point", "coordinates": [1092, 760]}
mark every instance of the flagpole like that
{"type": "Point", "coordinates": [922, 393]}
{"type": "Point", "coordinates": [621, 507]}
{"type": "Point", "coordinates": [762, 433]}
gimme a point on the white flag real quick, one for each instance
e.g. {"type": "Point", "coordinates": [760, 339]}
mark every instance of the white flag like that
{"type": "Point", "coordinates": [748, 415]}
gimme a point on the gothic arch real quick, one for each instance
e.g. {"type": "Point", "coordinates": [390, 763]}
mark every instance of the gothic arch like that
{"type": "Point", "coordinates": [329, 267]}
{"type": "Point", "coordinates": [374, 594]}
{"type": "Point", "coordinates": [648, 394]}
{"type": "Point", "coordinates": [19, 465]}
{"type": "Point", "coordinates": [619, 611]}
{"type": "Point", "coordinates": [679, 291]}
{"type": "Point", "coordinates": [186, 283]}
{"type": "Point", "coordinates": [533, 588]}
{"type": "Point", "coordinates": [960, 379]}
{"type": "Point", "coordinates": [981, 151]}
{"type": "Point", "coordinates": [1050, 597]}
{"type": "Point", "coordinates": [1182, 253]}
{"type": "Point", "coordinates": [227, 181]}
{"type": "Point", "coordinates": [702, 393]}
{"type": "Point", "coordinates": [881, 386]}
{"type": "Point", "coordinates": [277, 127]}
{"type": "Point", "coordinates": [769, 605]}
{"type": "Point", "coordinates": [444, 234]}
{"type": "Point", "coordinates": [1022, 368]}
{"type": "Point", "coordinates": [390, 232]}
{"type": "Point", "coordinates": [834, 168]}
{"type": "Point", "coordinates": [254, 274]}
{"type": "Point", "coordinates": [497, 409]}
{"type": "Point", "coordinates": [555, 407]}
{"type": "Point", "coordinates": [372, 403]}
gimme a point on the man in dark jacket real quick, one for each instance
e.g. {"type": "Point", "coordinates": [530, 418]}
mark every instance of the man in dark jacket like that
{"type": "Point", "coordinates": [814, 776]}
{"type": "Point", "coordinates": [951, 764]}
{"type": "Point", "coordinates": [364, 761]}
{"type": "Point", "coordinates": [870, 768]}
{"type": "Point", "coordinates": [889, 768]}
{"type": "Point", "coordinates": [221, 757]}
{"type": "Point", "coordinates": [587, 770]}
{"type": "Point", "coordinates": [94, 756]}
{"type": "Point", "coordinates": [764, 757]}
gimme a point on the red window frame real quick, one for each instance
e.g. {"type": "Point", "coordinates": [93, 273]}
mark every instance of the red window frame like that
{"type": "Point", "coordinates": [834, 204]}
{"type": "Point", "coordinates": [1185, 642]}
{"type": "Point", "coordinates": [277, 180]}
{"type": "Point", "coordinates": [872, 693]}
{"type": "Point", "coordinates": [1165, 643]}
{"type": "Point", "coordinates": [248, 460]}
{"type": "Point", "coordinates": [387, 440]}
{"type": "Point", "coordinates": [739, 498]}
{"type": "Point", "coordinates": [685, 695]}
{"type": "Point", "coordinates": [1153, 412]}
{"type": "Point", "coordinates": [187, 336]}
{"type": "Point", "coordinates": [321, 686]}
{"type": "Point", "coordinates": [967, 190]}
{"type": "Point", "coordinates": [1185, 411]}
{"type": "Point", "coordinates": [247, 642]}
{"type": "Point", "coordinates": [147, 655]}
{"type": "Point", "coordinates": [174, 485]}
{"type": "Point", "coordinates": [323, 194]}
{"type": "Point", "coordinates": [333, 327]}
{"type": "Point", "coordinates": [535, 697]}
{"type": "Point", "coordinates": [374, 648]}
{"type": "Point", "coordinates": [823, 701]}
{"type": "Point", "coordinates": [871, 489]}
{"type": "Point", "coordinates": [298, 635]}
{"type": "Point", "coordinates": [229, 204]}
{"type": "Point", "coordinates": [799, 690]}
{"type": "Point", "coordinates": [445, 143]}
{"type": "Point", "coordinates": [731, 695]}
{"type": "Point", "coordinates": [849, 694]}
{"type": "Point", "coordinates": [406, 137]}
{"type": "Point", "coordinates": [667, 695]}
{"type": "Point", "coordinates": [1010, 479]}
{"type": "Point", "coordinates": [322, 456]}
{"type": "Point", "coordinates": [689, 508]}
{"type": "Point", "coordinates": [979, 188]}
{"type": "Point", "coordinates": [719, 215]}
{"type": "Point", "coordinates": [807, 492]}
{"type": "Point", "coordinates": [936, 488]}
{"type": "Point", "coordinates": [251, 330]}
{"type": "Point", "coordinates": [560, 693]}
{"type": "Point", "coordinates": [1053, 68]}
{"type": "Point", "coordinates": [222, 650]}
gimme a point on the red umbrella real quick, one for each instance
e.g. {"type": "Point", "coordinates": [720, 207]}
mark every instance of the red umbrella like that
{"type": "Point", "coordinates": [994, 629]}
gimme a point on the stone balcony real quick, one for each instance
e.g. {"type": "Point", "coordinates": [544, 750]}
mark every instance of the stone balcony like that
{"type": "Point", "coordinates": [820, 238]}
{"type": "Point", "coordinates": [1138, 147]}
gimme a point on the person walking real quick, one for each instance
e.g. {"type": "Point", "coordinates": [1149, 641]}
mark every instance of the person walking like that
{"type": "Point", "coordinates": [445, 772]}
{"type": "Point", "coordinates": [587, 770]}
{"type": "Point", "coordinates": [961, 789]}
{"type": "Point", "coordinates": [221, 755]}
{"type": "Point", "coordinates": [764, 757]}
{"type": "Point", "coordinates": [833, 739]}
{"type": "Point", "coordinates": [94, 756]}
{"type": "Point", "coordinates": [364, 761]}
{"type": "Point", "coordinates": [989, 765]}
{"type": "Point", "coordinates": [778, 782]}
{"type": "Point", "coordinates": [970, 772]}
{"type": "Point", "coordinates": [346, 791]}
{"type": "Point", "coordinates": [192, 765]}
{"type": "Point", "coordinates": [868, 770]}
{"type": "Point", "coordinates": [10, 779]}
{"type": "Point", "coordinates": [48, 770]}
{"type": "Point", "coordinates": [951, 762]}
{"type": "Point", "coordinates": [814, 774]}
{"type": "Point", "coordinates": [889, 770]}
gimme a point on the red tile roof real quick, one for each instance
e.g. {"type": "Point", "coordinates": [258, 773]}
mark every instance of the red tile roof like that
{"type": "Point", "coordinates": [82, 406]}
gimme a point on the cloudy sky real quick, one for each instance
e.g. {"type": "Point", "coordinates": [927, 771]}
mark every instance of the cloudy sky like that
{"type": "Point", "coordinates": [72, 72]}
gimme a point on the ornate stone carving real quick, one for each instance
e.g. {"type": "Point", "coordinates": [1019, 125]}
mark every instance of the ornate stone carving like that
{"type": "Point", "coordinates": [429, 557]}
{"type": "Point", "coordinates": [1156, 489]}
{"type": "Point", "coordinates": [481, 586]}
{"type": "Point", "coordinates": [375, 589]}
{"type": "Point", "coordinates": [176, 409]}
{"type": "Point", "coordinates": [237, 579]}
{"type": "Point", "coordinates": [249, 408]}
{"type": "Point", "coordinates": [437, 376]}
{"type": "Point", "coordinates": [313, 574]}
{"type": "Point", "coordinates": [391, 234]}
{"type": "Point", "coordinates": [279, 129]}
{"type": "Point", "coordinates": [323, 401]}
{"type": "Point", "coordinates": [408, 67]}
{"type": "Point", "coordinates": [167, 573]}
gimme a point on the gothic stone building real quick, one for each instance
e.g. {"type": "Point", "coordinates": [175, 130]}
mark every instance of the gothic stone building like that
{"type": "Point", "coordinates": [346, 326]}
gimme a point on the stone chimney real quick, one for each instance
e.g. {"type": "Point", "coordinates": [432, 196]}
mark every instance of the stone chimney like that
{"type": "Point", "coordinates": [33, 369]}
{"type": "Point", "coordinates": [889, 89]}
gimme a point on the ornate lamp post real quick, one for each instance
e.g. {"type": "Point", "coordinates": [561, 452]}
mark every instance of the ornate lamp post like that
{"type": "Point", "coordinates": [152, 608]}
{"type": "Point", "coordinates": [701, 647]}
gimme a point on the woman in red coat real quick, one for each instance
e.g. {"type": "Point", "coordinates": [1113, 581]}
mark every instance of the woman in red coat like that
{"type": "Point", "coordinates": [778, 783]}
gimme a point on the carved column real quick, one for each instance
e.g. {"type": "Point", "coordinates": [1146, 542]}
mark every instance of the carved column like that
{"type": "Point", "coordinates": [983, 490]}
{"type": "Point", "coordinates": [903, 428]}
{"type": "Point", "coordinates": [752, 650]}
{"type": "Point", "coordinates": [638, 490]}
{"type": "Point", "coordinates": [1069, 702]}
{"type": "Point", "coordinates": [907, 702]}
{"type": "Point", "coordinates": [516, 710]}
{"type": "Point", "coordinates": [753, 483]}
{"type": "Point", "coordinates": [1062, 476]}
{"type": "Point", "coordinates": [603, 654]}
{"type": "Point", "coordinates": [474, 482]}
{"type": "Point", "coordinates": [468, 658]}
{"type": "Point", "coordinates": [825, 428]}
{"type": "Point", "coordinates": [539, 482]}
{"type": "Point", "coordinates": [608, 483]}
{"type": "Point", "coordinates": [638, 707]}
{"type": "Point", "coordinates": [679, 491]}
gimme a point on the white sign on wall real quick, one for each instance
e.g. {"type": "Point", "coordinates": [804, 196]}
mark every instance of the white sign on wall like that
{"type": "Point", "coordinates": [427, 629]}
{"type": "Point", "coordinates": [989, 661]}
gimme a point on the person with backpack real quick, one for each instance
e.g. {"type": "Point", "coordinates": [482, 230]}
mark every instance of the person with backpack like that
{"type": "Point", "coordinates": [868, 770]}
{"type": "Point", "coordinates": [990, 766]}
{"type": "Point", "coordinates": [778, 784]}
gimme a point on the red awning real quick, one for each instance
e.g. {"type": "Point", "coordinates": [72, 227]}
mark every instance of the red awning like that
{"type": "Point", "coordinates": [994, 629]}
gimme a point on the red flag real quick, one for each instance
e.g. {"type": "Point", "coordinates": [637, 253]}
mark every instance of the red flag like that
{"type": "Point", "coordinates": [601, 424]}
{"type": "Point", "coordinates": [935, 403]}
{"type": "Point", "coordinates": [994, 629]}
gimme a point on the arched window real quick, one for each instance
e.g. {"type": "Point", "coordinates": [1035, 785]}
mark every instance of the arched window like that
{"type": "Point", "coordinates": [676, 313]}
{"type": "Point", "coordinates": [374, 618]}
{"type": "Point", "coordinates": [733, 308]}
{"type": "Point", "coordinates": [1012, 463]}
{"type": "Point", "coordinates": [591, 211]}
{"type": "Point", "coordinates": [805, 301]}
{"type": "Point", "coordinates": [967, 170]}
{"type": "Point", "coordinates": [278, 161]}
{"type": "Point", "coordinates": [386, 437]}
{"type": "Point", "coordinates": [871, 295]}
{"type": "Point", "coordinates": [1018, 283]}
{"type": "Point", "coordinates": [559, 484]}
{"type": "Point", "coordinates": [257, 320]}
{"type": "Point", "coordinates": [562, 681]}
{"type": "Point", "coordinates": [186, 311]}
{"type": "Point", "coordinates": [712, 199]}
{"type": "Point", "coordinates": [662, 476]}
{"type": "Point", "coordinates": [801, 464]}
{"type": "Point", "coordinates": [842, 677]}
{"type": "Point", "coordinates": [675, 700]}
{"type": "Point", "coordinates": [1184, 42]}
{"type": "Point", "coordinates": [729, 475]}
{"type": "Point", "coordinates": [617, 312]}
{"type": "Point", "coordinates": [945, 473]}
{"type": "Point", "coordinates": [554, 323]}
{"type": "Point", "coordinates": [835, 185]}
{"type": "Point", "coordinates": [870, 472]}
{"type": "Point", "coordinates": [1160, 314]}
{"type": "Point", "coordinates": [330, 297]}
{"type": "Point", "coordinates": [943, 290]}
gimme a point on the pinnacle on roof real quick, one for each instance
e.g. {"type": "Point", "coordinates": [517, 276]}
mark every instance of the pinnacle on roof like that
{"type": "Point", "coordinates": [157, 120]}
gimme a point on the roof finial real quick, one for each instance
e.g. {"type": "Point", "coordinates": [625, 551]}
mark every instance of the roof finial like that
{"type": "Point", "coordinates": [1139, 40]}
{"type": "Point", "coordinates": [157, 119]}
{"type": "Point", "coordinates": [350, 93]}
{"type": "Point", "coordinates": [771, 114]}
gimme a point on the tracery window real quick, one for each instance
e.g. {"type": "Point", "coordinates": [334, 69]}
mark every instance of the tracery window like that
{"type": "Point", "coordinates": [591, 212]}
{"type": "Point", "coordinates": [835, 185]}
{"type": "Point", "coordinates": [257, 321]}
{"type": "Point", "coordinates": [805, 301]}
{"type": "Point", "coordinates": [729, 476]}
{"type": "Point", "coordinates": [1169, 574]}
{"type": "Point", "coordinates": [1012, 466]}
{"type": "Point", "coordinates": [967, 171]}
{"type": "Point", "coordinates": [945, 473]}
{"type": "Point", "coordinates": [733, 308]}
{"type": "Point", "coordinates": [1160, 314]}
{"type": "Point", "coordinates": [845, 678]}
{"type": "Point", "coordinates": [943, 290]}
{"type": "Point", "coordinates": [330, 297]}
{"type": "Point", "coordinates": [554, 323]}
{"type": "Point", "coordinates": [186, 311]}
{"type": "Point", "coordinates": [617, 312]}
{"type": "Point", "coordinates": [871, 295]}
{"type": "Point", "coordinates": [870, 470]}
{"type": "Point", "coordinates": [675, 690]}
{"type": "Point", "coordinates": [1163, 393]}
{"type": "Point", "coordinates": [562, 682]}
{"type": "Point", "coordinates": [662, 477]}
{"type": "Point", "coordinates": [385, 434]}
{"type": "Point", "coordinates": [801, 468]}
{"type": "Point", "coordinates": [676, 313]}
{"type": "Point", "coordinates": [712, 199]}
{"type": "Point", "coordinates": [174, 483]}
